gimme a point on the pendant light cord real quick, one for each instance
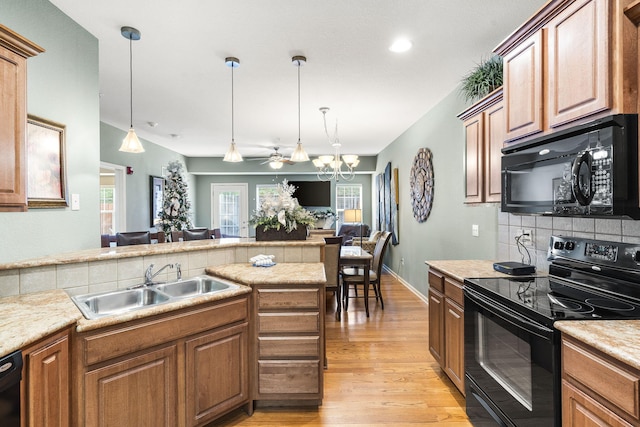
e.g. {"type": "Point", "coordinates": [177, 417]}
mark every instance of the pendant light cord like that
{"type": "Point", "coordinates": [131, 81]}
{"type": "Point", "coordinates": [299, 65]}
{"type": "Point", "coordinates": [232, 114]}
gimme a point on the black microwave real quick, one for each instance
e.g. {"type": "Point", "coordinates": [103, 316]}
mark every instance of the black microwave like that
{"type": "Point", "coordinates": [590, 170]}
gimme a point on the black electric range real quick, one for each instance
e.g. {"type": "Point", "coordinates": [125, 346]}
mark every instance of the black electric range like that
{"type": "Point", "coordinates": [512, 350]}
{"type": "Point", "coordinates": [588, 279]}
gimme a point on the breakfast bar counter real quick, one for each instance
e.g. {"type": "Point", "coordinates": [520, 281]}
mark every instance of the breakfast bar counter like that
{"type": "Point", "coordinates": [279, 274]}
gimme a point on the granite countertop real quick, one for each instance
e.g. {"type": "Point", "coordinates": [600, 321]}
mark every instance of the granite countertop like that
{"type": "Point", "coordinates": [619, 339]}
{"type": "Point", "coordinates": [103, 254]}
{"type": "Point", "coordinates": [279, 274]}
{"type": "Point", "coordinates": [24, 319]}
{"type": "Point", "coordinates": [462, 269]}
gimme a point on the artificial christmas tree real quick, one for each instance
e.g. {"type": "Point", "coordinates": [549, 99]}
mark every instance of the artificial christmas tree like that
{"type": "Point", "coordinates": [175, 211]}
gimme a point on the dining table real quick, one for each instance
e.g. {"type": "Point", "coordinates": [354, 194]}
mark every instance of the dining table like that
{"type": "Point", "coordinates": [357, 257]}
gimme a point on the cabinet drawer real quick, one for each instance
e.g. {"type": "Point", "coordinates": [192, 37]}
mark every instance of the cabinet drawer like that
{"type": "Point", "coordinates": [602, 376]}
{"type": "Point", "coordinates": [288, 298]}
{"type": "Point", "coordinates": [453, 290]}
{"type": "Point", "coordinates": [288, 347]}
{"type": "Point", "coordinates": [289, 322]}
{"type": "Point", "coordinates": [275, 377]}
{"type": "Point", "coordinates": [436, 280]}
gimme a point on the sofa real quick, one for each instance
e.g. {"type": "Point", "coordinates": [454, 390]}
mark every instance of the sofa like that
{"type": "Point", "coordinates": [352, 231]}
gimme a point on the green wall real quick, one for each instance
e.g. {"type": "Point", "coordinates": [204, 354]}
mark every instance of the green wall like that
{"type": "Point", "coordinates": [62, 85]}
{"type": "Point", "coordinates": [144, 165]}
{"type": "Point", "coordinates": [447, 232]}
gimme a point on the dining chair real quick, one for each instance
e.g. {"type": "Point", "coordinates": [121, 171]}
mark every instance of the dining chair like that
{"type": "Point", "coordinates": [191, 234]}
{"type": "Point", "coordinates": [133, 238]}
{"type": "Point", "coordinates": [332, 267]}
{"type": "Point", "coordinates": [355, 277]}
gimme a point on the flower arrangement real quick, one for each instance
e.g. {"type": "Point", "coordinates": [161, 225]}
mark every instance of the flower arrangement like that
{"type": "Point", "coordinates": [281, 210]}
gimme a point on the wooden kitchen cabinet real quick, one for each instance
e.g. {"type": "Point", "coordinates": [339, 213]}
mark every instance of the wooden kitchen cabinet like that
{"type": "Point", "coordinates": [181, 368]}
{"type": "Point", "coordinates": [45, 384]}
{"type": "Point", "coordinates": [134, 391]}
{"type": "Point", "coordinates": [14, 51]}
{"type": "Point", "coordinates": [436, 324]}
{"type": "Point", "coordinates": [484, 139]}
{"type": "Point", "coordinates": [446, 325]}
{"type": "Point", "coordinates": [597, 389]}
{"type": "Point", "coordinates": [573, 61]}
{"type": "Point", "coordinates": [217, 371]}
{"type": "Point", "coordinates": [289, 342]}
{"type": "Point", "coordinates": [523, 91]}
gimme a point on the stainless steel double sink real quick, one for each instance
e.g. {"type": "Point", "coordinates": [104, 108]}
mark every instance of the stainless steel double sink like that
{"type": "Point", "coordinates": [109, 303]}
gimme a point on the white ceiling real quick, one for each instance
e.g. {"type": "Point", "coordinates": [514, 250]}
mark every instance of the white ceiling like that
{"type": "Point", "coordinates": [181, 82]}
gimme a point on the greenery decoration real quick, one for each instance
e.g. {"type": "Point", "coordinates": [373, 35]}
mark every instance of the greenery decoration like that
{"type": "Point", "coordinates": [175, 214]}
{"type": "Point", "coordinates": [483, 79]}
{"type": "Point", "coordinates": [324, 214]}
{"type": "Point", "coordinates": [282, 210]}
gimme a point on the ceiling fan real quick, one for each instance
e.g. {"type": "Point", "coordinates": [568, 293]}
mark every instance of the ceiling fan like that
{"type": "Point", "coordinates": [276, 160]}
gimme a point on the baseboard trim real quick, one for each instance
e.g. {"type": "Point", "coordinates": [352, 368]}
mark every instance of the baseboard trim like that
{"type": "Point", "coordinates": [407, 285]}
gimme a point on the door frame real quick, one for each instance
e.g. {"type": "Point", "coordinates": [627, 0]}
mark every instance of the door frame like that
{"type": "Point", "coordinates": [244, 205]}
{"type": "Point", "coordinates": [121, 194]}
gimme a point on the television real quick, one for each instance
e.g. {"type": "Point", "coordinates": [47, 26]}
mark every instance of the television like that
{"type": "Point", "coordinates": [312, 193]}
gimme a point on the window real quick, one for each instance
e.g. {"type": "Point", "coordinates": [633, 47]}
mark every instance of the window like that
{"type": "Point", "coordinates": [107, 211]}
{"type": "Point", "coordinates": [112, 198]}
{"type": "Point", "coordinates": [348, 196]}
{"type": "Point", "coordinates": [263, 190]}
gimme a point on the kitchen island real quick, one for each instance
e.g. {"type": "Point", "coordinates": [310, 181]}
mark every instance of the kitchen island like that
{"type": "Point", "coordinates": [171, 349]}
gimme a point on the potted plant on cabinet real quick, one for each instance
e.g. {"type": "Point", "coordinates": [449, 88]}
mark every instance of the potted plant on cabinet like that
{"type": "Point", "coordinates": [483, 79]}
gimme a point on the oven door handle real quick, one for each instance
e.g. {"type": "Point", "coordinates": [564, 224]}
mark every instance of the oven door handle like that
{"type": "Point", "coordinates": [508, 315]}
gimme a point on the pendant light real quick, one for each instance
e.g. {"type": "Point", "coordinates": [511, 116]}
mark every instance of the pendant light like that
{"type": "Point", "coordinates": [232, 155]}
{"type": "Point", "coordinates": [299, 155]}
{"type": "Point", "coordinates": [131, 143]}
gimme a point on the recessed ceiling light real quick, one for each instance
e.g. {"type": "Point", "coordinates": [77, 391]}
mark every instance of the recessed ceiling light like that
{"type": "Point", "coordinates": [401, 45]}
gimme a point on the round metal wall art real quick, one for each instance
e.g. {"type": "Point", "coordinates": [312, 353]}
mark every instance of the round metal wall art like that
{"type": "Point", "coordinates": [421, 183]}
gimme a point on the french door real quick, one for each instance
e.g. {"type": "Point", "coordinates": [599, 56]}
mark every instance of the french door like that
{"type": "Point", "coordinates": [229, 209]}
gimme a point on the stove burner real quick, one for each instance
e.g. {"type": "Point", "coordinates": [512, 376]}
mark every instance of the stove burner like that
{"type": "Point", "coordinates": [568, 304]}
{"type": "Point", "coordinates": [610, 304]}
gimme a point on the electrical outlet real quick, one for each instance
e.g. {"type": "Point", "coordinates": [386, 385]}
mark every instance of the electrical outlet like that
{"type": "Point", "coordinates": [475, 231]}
{"type": "Point", "coordinates": [527, 236]}
{"type": "Point", "coordinates": [401, 261]}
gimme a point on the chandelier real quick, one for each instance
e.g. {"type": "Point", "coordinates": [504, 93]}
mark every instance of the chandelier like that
{"type": "Point", "coordinates": [329, 167]}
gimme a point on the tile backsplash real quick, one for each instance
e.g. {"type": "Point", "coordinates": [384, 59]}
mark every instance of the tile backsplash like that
{"type": "Point", "coordinates": [616, 230]}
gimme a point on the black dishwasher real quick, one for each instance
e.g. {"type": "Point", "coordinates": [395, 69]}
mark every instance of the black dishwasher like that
{"type": "Point", "coordinates": [10, 376]}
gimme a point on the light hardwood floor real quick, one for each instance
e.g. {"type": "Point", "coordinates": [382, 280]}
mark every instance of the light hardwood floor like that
{"type": "Point", "coordinates": [380, 372]}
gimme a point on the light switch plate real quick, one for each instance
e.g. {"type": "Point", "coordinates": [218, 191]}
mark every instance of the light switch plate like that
{"type": "Point", "coordinates": [75, 202]}
{"type": "Point", "coordinates": [475, 232]}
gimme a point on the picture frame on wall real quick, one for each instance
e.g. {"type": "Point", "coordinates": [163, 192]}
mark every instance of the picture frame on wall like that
{"type": "Point", "coordinates": [46, 168]}
{"type": "Point", "coordinates": [157, 199]}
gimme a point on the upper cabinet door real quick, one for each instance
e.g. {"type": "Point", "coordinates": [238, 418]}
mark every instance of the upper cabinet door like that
{"type": "Point", "coordinates": [13, 116]}
{"type": "Point", "coordinates": [579, 62]}
{"type": "Point", "coordinates": [523, 79]}
{"type": "Point", "coordinates": [474, 132]}
{"type": "Point", "coordinates": [14, 51]}
{"type": "Point", "coordinates": [493, 143]}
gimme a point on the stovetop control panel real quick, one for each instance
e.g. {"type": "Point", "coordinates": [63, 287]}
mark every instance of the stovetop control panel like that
{"type": "Point", "coordinates": [597, 252]}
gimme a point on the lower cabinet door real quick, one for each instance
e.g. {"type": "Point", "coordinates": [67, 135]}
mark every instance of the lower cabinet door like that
{"type": "Point", "coordinates": [139, 391]}
{"type": "Point", "coordinates": [580, 410]}
{"type": "Point", "coordinates": [436, 325]}
{"type": "Point", "coordinates": [454, 343]}
{"type": "Point", "coordinates": [217, 373]}
{"type": "Point", "coordinates": [47, 383]}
